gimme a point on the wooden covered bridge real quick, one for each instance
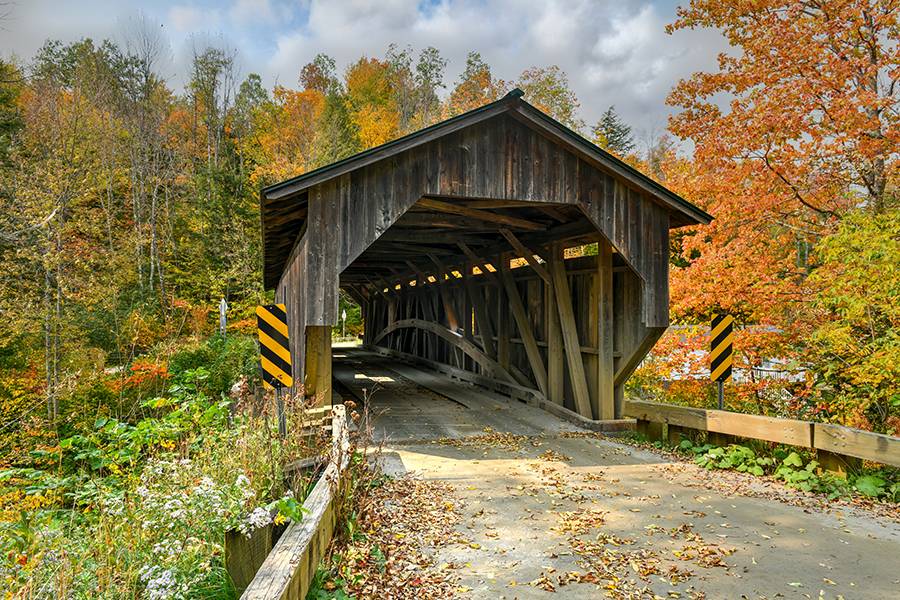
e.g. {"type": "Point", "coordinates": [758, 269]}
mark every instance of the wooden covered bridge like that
{"type": "Point", "coordinates": [454, 241]}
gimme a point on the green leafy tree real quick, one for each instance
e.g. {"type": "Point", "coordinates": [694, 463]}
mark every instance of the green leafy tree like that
{"type": "Point", "coordinates": [548, 89]}
{"type": "Point", "coordinates": [613, 134]}
{"type": "Point", "coordinates": [857, 342]}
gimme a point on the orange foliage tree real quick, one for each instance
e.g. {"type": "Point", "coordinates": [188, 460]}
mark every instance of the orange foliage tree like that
{"type": "Point", "coordinates": [796, 129]}
{"type": "Point", "coordinates": [373, 107]}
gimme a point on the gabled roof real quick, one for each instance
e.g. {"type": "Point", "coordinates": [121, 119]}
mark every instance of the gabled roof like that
{"type": "Point", "coordinates": [510, 102]}
{"type": "Point", "coordinates": [683, 212]}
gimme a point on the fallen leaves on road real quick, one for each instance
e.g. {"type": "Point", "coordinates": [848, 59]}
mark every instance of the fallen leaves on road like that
{"type": "Point", "coordinates": [553, 455]}
{"type": "Point", "coordinates": [489, 439]}
{"type": "Point", "coordinates": [406, 521]}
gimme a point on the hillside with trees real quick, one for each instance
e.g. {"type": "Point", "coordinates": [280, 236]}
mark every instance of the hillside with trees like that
{"type": "Point", "coordinates": [129, 208]}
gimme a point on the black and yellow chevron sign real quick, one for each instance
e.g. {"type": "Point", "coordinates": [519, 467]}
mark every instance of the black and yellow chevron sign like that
{"type": "Point", "coordinates": [721, 348]}
{"type": "Point", "coordinates": [274, 352]}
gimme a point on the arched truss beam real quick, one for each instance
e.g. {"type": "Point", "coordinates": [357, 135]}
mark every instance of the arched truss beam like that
{"type": "Point", "coordinates": [491, 367]}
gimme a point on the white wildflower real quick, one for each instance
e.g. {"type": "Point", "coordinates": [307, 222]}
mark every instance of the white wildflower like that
{"type": "Point", "coordinates": [160, 583]}
{"type": "Point", "coordinates": [258, 517]}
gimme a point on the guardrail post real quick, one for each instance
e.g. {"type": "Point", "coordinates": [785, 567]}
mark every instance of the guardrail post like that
{"type": "Point", "coordinates": [675, 434]}
{"type": "Point", "coordinates": [649, 429]}
{"type": "Point", "coordinates": [720, 439]}
{"type": "Point", "coordinates": [838, 463]}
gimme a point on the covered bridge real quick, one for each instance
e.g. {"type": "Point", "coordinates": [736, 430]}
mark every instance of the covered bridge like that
{"type": "Point", "coordinates": [453, 241]}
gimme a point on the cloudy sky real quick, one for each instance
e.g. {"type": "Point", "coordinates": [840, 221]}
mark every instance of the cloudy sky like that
{"type": "Point", "coordinates": [614, 51]}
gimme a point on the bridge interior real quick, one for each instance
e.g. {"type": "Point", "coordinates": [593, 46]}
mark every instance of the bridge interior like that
{"type": "Point", "coordinates": [528, 295]}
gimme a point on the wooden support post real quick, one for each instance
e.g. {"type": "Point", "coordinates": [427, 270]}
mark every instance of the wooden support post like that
{"type": "Point", "coordinates": [525, 332]}
{"type": "Point", "coordinates": [526, 253]}
{"type": "Point", "coordinates": [720, 439]}
{"type": "Point", "coordinates": [317, 364]}
{"type": "Point", "coordinates": [649, 429]}
{"type": "Point", "coordinates": [570, 336]}
{"type": "Point", "coordinates": [502, 313]}
{"type": "Point", "coordinates": [674, 434]}
{"type": "Point", "coordinates": [452, 320]}
{"type": "Point", "coordinates": [838, 463]}
{"type": "Point", "coordinates": [482, 318]}
{"type": "Point", "coordinates": [556, 383]}
{"type": "Point", "coordinates": [602, 298]}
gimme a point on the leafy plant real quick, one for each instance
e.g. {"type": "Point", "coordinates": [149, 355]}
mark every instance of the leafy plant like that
{"type": "Point", "coordinates": [871, 485]}
{"type": "Point", "coordinates": [739, 458]}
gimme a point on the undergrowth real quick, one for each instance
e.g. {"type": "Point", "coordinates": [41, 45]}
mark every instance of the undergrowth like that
{"type": "Point", "coordinates": [794, 469]}
{"type": "Point", "coordinates": [123, 507]}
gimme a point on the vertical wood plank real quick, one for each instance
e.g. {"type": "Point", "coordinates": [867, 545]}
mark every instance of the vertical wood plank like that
{"type": "Point", "coordinates": [604, 326]}
{"type": "Point", "coordinates": [525, 331]}
{"type": "Point", "coordinates": [570, 335]}
{"type": "Point", "coordinates": [500, 309]}
{"type": "Point", "coordinates": [482, 318]}
{"type": "Point", "coordinates": [317, 364]}
{"type": "Point", "coordinates": [555, 354]}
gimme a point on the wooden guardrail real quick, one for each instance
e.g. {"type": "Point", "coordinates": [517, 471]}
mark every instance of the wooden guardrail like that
{"type": "Point", "coordinates": [837, 447]}
{"type": "Point", "coordinates": [288, 570]}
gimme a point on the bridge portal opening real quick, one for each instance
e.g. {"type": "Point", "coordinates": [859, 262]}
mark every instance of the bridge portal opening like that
{"type": "Point", "coordinates": [456, 242]}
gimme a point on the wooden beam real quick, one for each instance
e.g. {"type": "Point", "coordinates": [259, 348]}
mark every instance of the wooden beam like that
{"type": "Point", "coordinates": [495, 203]}
{"type": "Point", "coordinates": [524, 326]}
{"type": "Point", "coordinates": [429, 236]}
{"type": "Point", "coordinates": [478, 262]}
{"type": "Point", "coordinates": [632, 357]}
{"type": "Point", "coordinates": [452, 317]}
{"type": "Point", "coordinates": [570, 336]}
{"type": "Point", "coordinates": [847, 441]}
{"type": "Point", "coordinates": [556, 370]}
{"type": "Point", "coordinates": [502, 314]}
{"type": "Point", "coordinates": [553, 212]}
{"type": "Point", "coordinates": [482, 215]}
{"type": "Point", "coordinates": [602, 302]}
{"type": "Point", "coordinates": [423, 278]}
{"type": "Point", "coordinates": [491, 367]}
{"type": "Point", "coordinates": [432, 221]}
{"type": "Point", "coordinates": [317, 364]}
{"type": "Point", "coordinates": [527, 254]}
{"type": "Point", "coordinates": [482, 319]}
{"type": "Point", "coordinates": [758, 427]}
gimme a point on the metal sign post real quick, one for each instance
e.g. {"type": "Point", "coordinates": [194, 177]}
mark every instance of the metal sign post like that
{"type": "Point", "coordinates": [223, 317]}
{"type": "Point", "coordinates": [344, 323]}
{"type": "Point", "coordinates": [721, 351]}
{"type": "Point", "coordinates": [275, 355]}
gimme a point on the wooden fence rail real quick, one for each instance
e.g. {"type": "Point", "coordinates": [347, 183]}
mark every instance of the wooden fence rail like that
{"type": "Point", "coordinates": [837, 447]}
{"type": "Point", "coordinates": [287, 572]}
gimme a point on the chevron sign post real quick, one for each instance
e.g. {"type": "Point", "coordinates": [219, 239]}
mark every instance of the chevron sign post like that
{"type": "Point", "coordinates": [721, 352]}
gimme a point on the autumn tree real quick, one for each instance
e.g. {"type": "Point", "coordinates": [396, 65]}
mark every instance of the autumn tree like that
{"type": "Point", "coordinates": [795, 131]}
{"type": "Point", "coordinates": [373, 105]}
{"type": "Point", "coordinates": [476, 86]}
{"type": "Point", "coordinates": [337, 135]}
{"type": "Point", "coordinates": [320, 75]}
{"type": "Point", "coordinates": [548, 89]}
{"type": "Point", "coordinates": [813, 100]}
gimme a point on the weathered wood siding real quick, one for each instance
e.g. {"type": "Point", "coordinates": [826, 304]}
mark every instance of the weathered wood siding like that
{"type": "Point", "coordinates": [500, 158]}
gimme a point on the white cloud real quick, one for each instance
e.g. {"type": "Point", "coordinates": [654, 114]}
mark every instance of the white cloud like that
{"type": "Point", "coordinates": [614, 52]}
{"type": "Point", "coordinates": [252, 11]}
{"type": "Point", "coordinates": [185, 18]}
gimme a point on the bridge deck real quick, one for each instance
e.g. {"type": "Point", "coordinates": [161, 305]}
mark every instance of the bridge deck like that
{"type": "Point", "coordinates": [549, 500]}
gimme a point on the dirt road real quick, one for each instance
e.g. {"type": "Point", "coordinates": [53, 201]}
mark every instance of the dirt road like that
{"type": "Point", "coordinates": [545, 509]}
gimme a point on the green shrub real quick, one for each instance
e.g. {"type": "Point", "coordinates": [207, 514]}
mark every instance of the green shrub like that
{"type": "Point", "coordinates": [791, 468]}
{"type": "Point", "coordinates": [224, 360]}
